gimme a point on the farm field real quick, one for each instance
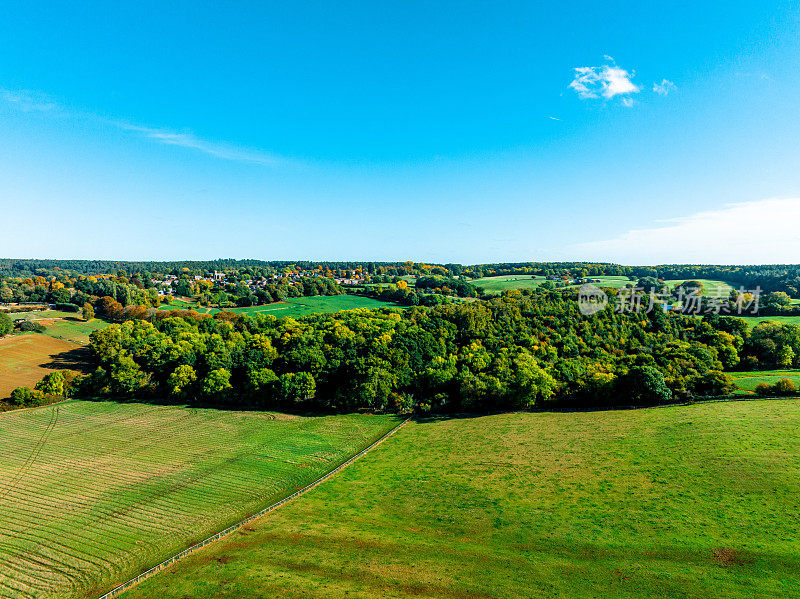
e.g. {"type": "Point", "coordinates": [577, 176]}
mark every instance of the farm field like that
{"type": "Point", "coordinates": [74, 329]}
{"type": "Point", "coordinates": [754, 320]}
{"type": "Point", "coordinates": [711, 287]}
{"type": "Point", "coordinates": [25, 359]}
{"type": "Point", "coordinates": [614, 281]}
{"type": "Point", "coordinates": [503, 282]}
{"type": "Point", "coordinates": [747, 381]}
{"type": "Point", "coordinates": [687, 501]}
{"type": "Point", "coordinates": [95, 492]}
{"type": "Point", "coordinates": [297, 307]}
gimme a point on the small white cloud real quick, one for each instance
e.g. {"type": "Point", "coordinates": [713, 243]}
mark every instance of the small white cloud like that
{"type": "Point", "coordinates": [189, 140]}
{"type": "Point", "coordinates": [663, 88]}
{"type": "Point", "coordinates": [605, 81]}
{"type": "Point", "coordinates": [758, 232]}
{"type": "Point", "coordinates": [28, 101]}
{"type": "Point", "coordinates": [552, 118]}
{"type": "Point", "coordinates": [627, 102]}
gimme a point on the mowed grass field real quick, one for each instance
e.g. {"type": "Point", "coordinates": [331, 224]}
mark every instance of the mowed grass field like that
{"type": "Point", "coordinates": [93, 493]}
{"type": "Point", "coordinates": [747, 381]}
{"type": "Point", "coordinates": [503, 282]}
{"type": "Point", "coordinates": [297, 307]}
{"type": "Point", "coordinates": [25, 359]}
{"type": "Point", "coordinates": [74, 329]}
{"type": "Point", "coordinates": [692, 501]}
{"type": "Point", "coordinates": [711, 287]}
{"type": "Point", "coordinates": [754, 320]}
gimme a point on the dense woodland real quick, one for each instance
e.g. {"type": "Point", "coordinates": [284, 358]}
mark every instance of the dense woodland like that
{"type": "Point", "coordinates": [517, 351]}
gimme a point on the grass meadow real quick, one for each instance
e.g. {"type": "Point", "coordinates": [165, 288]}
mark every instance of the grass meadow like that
{"type": "Point", "coordinates": [294, 307]}
{"type": "Point", "coordinates": [695, 501]}
{"type": "Point", "coordinates": [74, 329]}
{"type": "Point", "coordinates": [95, 492]}
{"type": "Point", "coordinates": [747, 381]}
{"type": "Point", "coordinates": [297, 307]}
{"type": "Point", "coordinates": [504, 282]}
{"type": "Point", "coordinates": [711, 287]}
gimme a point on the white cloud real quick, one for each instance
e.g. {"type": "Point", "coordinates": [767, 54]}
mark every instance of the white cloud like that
{"type": "Point", "coordinates": [605, 81]}
{"type": "Point", "coordinates": [758, 232]}
{"type": "Point", "coordinates": [663, 88]}
{"type": "Point", "coordinates": [29, 101]}
{"type": "Point", "coordinates": [189, 140]}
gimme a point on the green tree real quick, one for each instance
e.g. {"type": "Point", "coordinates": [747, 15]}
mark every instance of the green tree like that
{"type": "Point", "coordinates": [216, 383]}
{"type": "Point", "coordinates": [87, 311]}
{"type": "Point", "coordinates": [181, 380]}
{"type": "Point", "coordinates": [6, 324]}
{"type": "Point", "coordinates": [644, 385]}
{"type": "Point", "coordinates": [296, 387]}
{"type": "Point", "coordinates": [24, 396]}
{"type": "Point", "coordinates": [51, 384]}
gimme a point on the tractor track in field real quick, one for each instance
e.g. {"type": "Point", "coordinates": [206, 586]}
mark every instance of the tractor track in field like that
{"type": "Point", "coordinates": [171, 560]}
{"type": "Point", "coordinates": [37, 449]}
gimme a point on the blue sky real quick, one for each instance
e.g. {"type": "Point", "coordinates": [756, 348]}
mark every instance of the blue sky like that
{"type": "Point", "coordinates": [445, 131]}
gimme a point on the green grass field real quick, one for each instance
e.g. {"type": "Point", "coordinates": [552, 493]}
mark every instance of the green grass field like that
{"type": "Point", "coordinates": [74, 329]}
{"type": "Point", "coordinates": [95, 492]}
{"type": "Point", "coordinates": [754, 320]}
{"type": "Point", "coordinates": [692, 501]}
{"type": "Point", "coordinates": [613, 281]}
{"type": "Point", "coordinates": [297, 307]}
{"type": "Point", "coordinates": [711, 287]}
{"type": "Point", "coordinates": [747, 381]}
{"type": "Point", "coordinates": [503, 282]}
{"type": "Point", "coordinates": [303, 306]}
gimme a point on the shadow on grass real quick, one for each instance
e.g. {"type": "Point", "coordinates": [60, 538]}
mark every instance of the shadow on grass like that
{"type": "Point", "coordinates": [79, 359]}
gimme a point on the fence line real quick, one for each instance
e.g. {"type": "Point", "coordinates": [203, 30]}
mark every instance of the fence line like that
{"type": "Point", "coordinates": [171, 560]}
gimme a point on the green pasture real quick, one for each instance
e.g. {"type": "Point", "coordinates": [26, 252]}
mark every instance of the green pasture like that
{"type": "Point", "coordinates": [297, 307]}
{"type": "Point", "coordinates": [93, 493]}
{"type": "Point", "coordinates": [690, 502]}
{"type": "Point", "coordinates": [711, 287]}
{"type": "Point", "coordinates": [747, 381]}
{"type": "Point", "coordinates": [504, 282]}
{"type": "Point", "coordinates": [74, 329]}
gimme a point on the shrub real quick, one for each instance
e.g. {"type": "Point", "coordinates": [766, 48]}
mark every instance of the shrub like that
{"type": "Point", "coordinates": [713, 382]}
{"type": "Point", "coordinates": [644, 385]}
{"type": "Point", "coordinates": [87, 312]}
{"type": "Point", "coordinates": [51, 384]}
{"type": "Point", "coordinates": [763, 389]}
{"type": "Point", "coordinates": [6, 324]}
{"type": "Point", "coordinates": [784, 387]}
{"type": "Point", "coordinates": [30, 326]}
{"type": "Point", "coordinates": [25, 396]}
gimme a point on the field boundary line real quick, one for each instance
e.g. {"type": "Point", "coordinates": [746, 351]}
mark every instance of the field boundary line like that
{"type": "Point", "coordinates": [171, 560]}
